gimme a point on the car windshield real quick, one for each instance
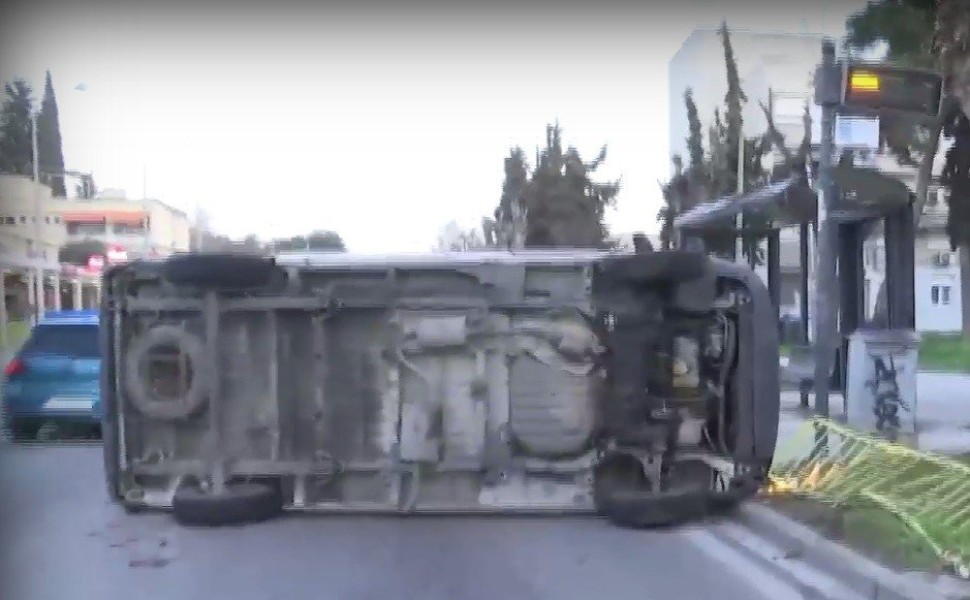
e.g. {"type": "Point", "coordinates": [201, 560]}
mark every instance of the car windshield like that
{"type": "Point", "coordinates": [77, 341]}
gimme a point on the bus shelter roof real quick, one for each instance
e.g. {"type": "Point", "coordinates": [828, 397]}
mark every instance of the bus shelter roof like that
{"type": "Point", "coordinates": [863, 194]}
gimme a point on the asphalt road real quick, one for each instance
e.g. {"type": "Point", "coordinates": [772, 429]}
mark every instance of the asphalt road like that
{"type": "Point", "coordinates": [61, 538]}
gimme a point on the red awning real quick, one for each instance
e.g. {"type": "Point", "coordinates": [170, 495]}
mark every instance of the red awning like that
{"type": "Point", "coordinates": [126, 217]}
{"type": "Point", "coordinates": [85, 217]}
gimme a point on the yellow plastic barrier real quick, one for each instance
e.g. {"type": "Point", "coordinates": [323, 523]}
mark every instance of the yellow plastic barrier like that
{"type": "Point", "coordinates": [929, 493]}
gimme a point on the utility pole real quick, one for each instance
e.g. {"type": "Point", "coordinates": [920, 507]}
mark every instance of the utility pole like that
{"type": "Point", "coordinates": [828, 96]}
{"type": "Point", "coordinates": [39, 295]}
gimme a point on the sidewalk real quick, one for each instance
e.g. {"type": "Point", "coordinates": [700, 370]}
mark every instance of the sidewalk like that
{"type": "Point", "coordinates": [942, 415]}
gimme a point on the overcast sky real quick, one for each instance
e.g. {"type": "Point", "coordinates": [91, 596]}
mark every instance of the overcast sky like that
{"type": "Point", "coordinates": [379, 122]}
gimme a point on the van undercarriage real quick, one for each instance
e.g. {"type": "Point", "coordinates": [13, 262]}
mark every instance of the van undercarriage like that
{"type": "Point", "coordinates": [630, 385]}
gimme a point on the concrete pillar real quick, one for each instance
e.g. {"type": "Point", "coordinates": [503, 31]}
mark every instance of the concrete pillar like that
{"type": "Point", "coordinates": [77, 296]}
{"type": "Point", "coordinates": [40, 295]}
{"type": "Point", "coordinates": [31, 295]}
{"type": "Point", "coordinates": [97, 295]}
{"type": "Point", "coordinates": [58, 305]}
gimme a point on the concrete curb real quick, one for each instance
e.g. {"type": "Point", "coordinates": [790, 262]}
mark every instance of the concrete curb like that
{"type": "Point", "coordinates": [945, 372]}
{"type": "Point", "coordinates": [860, 574]}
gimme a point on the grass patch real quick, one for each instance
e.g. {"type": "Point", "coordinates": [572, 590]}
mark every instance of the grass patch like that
{"type": "Point", "coordinates": [943, 352]}
{"type": "Point", "coordinates": [937, 352]}
{"type": "Point", "coordinates": [17, 332]}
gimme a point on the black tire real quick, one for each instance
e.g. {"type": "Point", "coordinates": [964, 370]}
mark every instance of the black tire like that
{"type": "Point", "coordinates": [244, 502]}
{"type": "Point", "coordinates": [624, 495]}
{"type": "Point", "coordinates": [221, 271]}
{"type": "Point", "coordinates": [647, 509]}
{"type": "Point", "coordinates": [672, 266]}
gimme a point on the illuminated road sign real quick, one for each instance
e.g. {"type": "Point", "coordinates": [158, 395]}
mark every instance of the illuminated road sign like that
{"type": "Point", "coordinates": [880, 87]}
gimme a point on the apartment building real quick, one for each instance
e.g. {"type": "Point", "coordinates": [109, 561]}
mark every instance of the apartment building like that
{"type": "Point", "coordinates": [138, 228]}
{"type": "Point", "coordinates": [22, 242]}
{"type": "Point", "coordinates": [783, 63]}
{"type": "Point", "coordinates": [29, 252]}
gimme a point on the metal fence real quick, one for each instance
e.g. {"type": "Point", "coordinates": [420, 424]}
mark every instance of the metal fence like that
{"type": "Point", "coordinates": [928, 493]}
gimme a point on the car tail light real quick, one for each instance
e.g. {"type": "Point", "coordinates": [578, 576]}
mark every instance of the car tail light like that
{"type": "Point", "coordinates": [15, 367]}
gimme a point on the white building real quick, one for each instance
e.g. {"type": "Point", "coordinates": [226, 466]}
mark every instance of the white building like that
{"type": "Point", "coordinates": [938, 294]}
{"type": "Point", "coordinates": [141, 227]}
{"type": "Point", "coordinates": [781, 62]}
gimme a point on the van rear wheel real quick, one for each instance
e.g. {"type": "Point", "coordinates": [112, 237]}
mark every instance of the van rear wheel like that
{"type": "Point", "coordinates": [237, 503]}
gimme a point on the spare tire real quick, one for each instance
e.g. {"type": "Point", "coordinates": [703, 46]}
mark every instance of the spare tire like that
{"type": "Point", "coordinates": [221, 271]}
{"type": "Point", "coordinates": [670, 266]}
{"type": "Point", "coordinates": [139, 387]}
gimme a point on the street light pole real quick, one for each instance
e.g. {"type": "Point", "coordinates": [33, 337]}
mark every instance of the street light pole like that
{"type": "Point", "coordinates": [39, 295]}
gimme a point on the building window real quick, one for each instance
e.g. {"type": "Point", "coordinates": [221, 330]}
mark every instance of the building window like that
{"type": "Point", "coordinates": [23, 220]}
{"type": "Point", "coordinates": [941, 259]}
{"type": "Point", "coordinates": [47, 220]}
{"type": "Point", "coordinates": [76, 228]}
{"type": "Point", "coordinates": [128, 228]}
{"type": "Point", "coordinates": [940, 295]}
{"type": "Point", "coordinates": [57, 220]}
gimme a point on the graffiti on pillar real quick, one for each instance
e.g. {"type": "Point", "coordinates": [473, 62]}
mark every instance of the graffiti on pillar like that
{"type": "Point", "coordinates": [885, 389]}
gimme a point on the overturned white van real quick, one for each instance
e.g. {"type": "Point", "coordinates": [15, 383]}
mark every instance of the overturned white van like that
{"type": "Point", "coordinates": [643, 387]}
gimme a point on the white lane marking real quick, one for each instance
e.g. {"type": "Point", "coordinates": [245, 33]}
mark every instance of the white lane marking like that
{"type": "Point", "coordinates": [766, 584]}
{"type": "Point", "coordinates": [79, 403]}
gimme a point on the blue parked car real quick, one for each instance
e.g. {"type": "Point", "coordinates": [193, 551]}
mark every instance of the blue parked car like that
{"type": "Point", "coordinates": [51, 386]}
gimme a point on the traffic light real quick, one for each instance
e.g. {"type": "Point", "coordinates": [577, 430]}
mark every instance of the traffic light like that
{"type": "Point", "coordinates": [880, 87]}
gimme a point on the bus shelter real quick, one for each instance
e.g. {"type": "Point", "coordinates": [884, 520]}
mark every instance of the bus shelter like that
{"type": "Point", "coordinates": [866, 201]}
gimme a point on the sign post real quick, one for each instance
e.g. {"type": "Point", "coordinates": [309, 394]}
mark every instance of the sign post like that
{"type": "Point", "coordinates": [861, 93]}
{"type": "Point", "coordinates": [827, 93]}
